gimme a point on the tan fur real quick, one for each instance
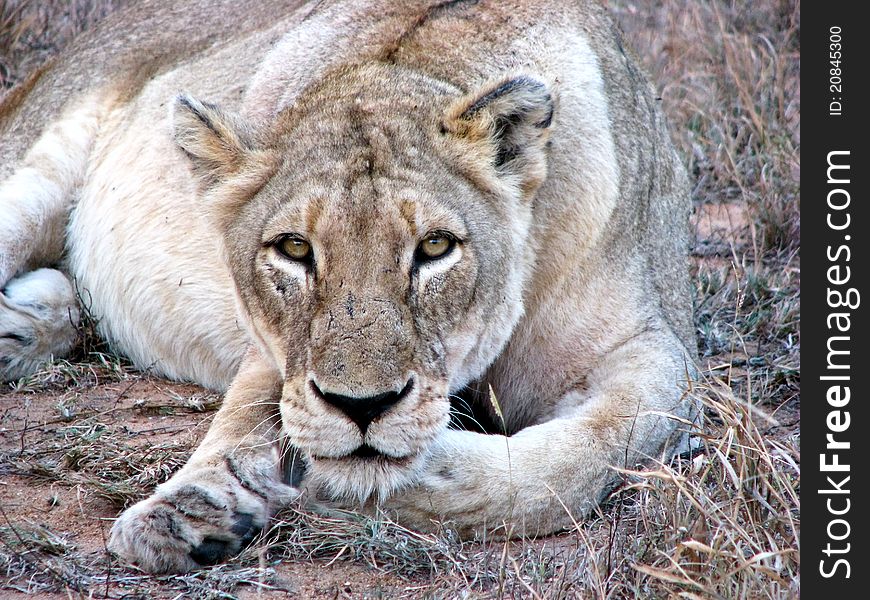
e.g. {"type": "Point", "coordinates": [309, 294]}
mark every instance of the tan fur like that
{"type": "Point", "coordinates": [521, 130]}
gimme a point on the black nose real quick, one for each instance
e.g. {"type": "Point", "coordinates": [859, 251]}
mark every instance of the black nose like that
{"type": "Point", "coordinates": [363, 410]}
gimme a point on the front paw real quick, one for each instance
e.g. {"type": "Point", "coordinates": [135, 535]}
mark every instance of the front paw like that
{"type": "Point", "coordinates": [198, 518]}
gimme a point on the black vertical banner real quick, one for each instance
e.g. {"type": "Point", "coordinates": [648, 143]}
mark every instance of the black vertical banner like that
{"type": "Point", "coordinates": [835, 256]}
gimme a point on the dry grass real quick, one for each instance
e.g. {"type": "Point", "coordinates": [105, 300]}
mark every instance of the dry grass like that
{"type": "Point", "coordinates": [32, 31]}
{"type": "Point", "coordinates": [720, 523]}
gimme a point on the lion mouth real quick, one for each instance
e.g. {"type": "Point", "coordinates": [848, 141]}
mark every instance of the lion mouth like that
{"type": "Point", "coordinates": [366, 454]}
{"type": "Point", "coordinates": [366, 451]}
{"type": "Point", "coordinates": [363, 473]}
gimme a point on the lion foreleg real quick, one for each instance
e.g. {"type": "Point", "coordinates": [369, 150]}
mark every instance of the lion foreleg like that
{"type": "Point", "coordinates": [548, 476]}
{"type": "Point", "coordinates": [226, 492]}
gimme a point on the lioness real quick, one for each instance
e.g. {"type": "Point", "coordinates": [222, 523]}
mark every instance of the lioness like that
{"type": "Point", "coordinates": [350, 213]}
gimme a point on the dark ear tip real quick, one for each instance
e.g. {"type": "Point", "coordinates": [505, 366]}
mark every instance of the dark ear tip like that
{"type": "Point", "coordinates": [184, 99]}
{"type": "Point", "coordinates": [199, 108]}
{"type": "Point", "coordinates": [185, 102]}
{"type": "Point", "coordinates": [527, 89]}
{"type": "Point", "coordinates": [530, 83]}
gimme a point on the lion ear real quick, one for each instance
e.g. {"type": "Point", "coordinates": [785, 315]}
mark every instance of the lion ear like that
{"type": "Point", "coordinates": [509, 121]}
{"type": "Point", "coordinates": [216, 142]}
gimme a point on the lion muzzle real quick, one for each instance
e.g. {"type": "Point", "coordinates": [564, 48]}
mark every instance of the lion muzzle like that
{"type": "Point", "coordinates": [362, 410]}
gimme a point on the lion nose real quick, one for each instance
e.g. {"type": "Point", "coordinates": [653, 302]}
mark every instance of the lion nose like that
{"type": "Point", "coordinates": [362, 410]}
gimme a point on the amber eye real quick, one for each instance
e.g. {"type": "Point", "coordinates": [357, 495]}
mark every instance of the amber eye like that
{"type": "Point", "coordinates": [435, 245]}
{"type": "Point", "coordinates": [294, 248]}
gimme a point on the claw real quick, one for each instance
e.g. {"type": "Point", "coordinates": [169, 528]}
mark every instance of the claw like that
{"type": "Point", "coordinates": [211, 551]}
{"type": "Point", "coordinates": [245, 527]}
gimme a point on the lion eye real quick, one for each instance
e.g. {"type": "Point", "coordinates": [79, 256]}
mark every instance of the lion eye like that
{"type": "Point", "coordinates": [294, 248]}
{"type": "Point", "coordinates": [434, 245]}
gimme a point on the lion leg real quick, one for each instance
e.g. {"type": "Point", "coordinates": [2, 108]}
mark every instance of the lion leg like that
{"type": "Point", "coordinates": [545, 477]}
{"type": "Point", "coordinates": [225, 494]}
{"type": "Point", "coordinates": [36, 198]}
{"type": "Point", "coordinates": [38, 309]}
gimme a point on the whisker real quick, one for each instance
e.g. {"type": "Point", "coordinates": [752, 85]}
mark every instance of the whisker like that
{"type": "Point", "coordinates": [285, 454]}
{"type": "Point", "coordinates": [237, 409]}
{"type": "Point", "coordinates": [263, 434]}
{"type": "Point", "coordinates": [456, 410]}
{"type": "Point", "coordinates": [251, 447]}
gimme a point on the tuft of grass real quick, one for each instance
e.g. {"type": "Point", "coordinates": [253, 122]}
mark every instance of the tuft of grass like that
{"type": "Point", "coordinates": [722, 521]}
{"type": "Point", "coordinates": [80, 372]}
{"type": "Point", "coordinates": [106, 460]}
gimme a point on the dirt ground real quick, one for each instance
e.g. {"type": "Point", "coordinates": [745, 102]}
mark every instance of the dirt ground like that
{"type": "Point", "coordinates": [87, 437]}
{"type": "Point", "coordinates": [148, 416]}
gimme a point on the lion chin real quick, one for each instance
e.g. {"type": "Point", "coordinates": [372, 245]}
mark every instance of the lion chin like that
{"type": "Point", "coordinates": [363, 476]}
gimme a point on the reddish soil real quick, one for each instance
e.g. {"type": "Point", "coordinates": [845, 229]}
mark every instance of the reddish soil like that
{"type": "Point", "coordinates": [82, 517]}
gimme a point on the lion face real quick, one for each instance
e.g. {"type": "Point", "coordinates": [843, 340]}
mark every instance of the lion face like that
{"type": "Point", "coordinates": [378, 236]}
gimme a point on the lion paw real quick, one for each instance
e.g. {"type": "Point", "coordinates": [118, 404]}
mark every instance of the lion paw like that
{"type": "Point", "coordinates": [38, 320]}
{"type": "Point", "coordinates": [204, 518]}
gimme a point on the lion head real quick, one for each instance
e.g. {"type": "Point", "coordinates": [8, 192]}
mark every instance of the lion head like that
{"type": "Point", "coordinates": [378, 233]}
